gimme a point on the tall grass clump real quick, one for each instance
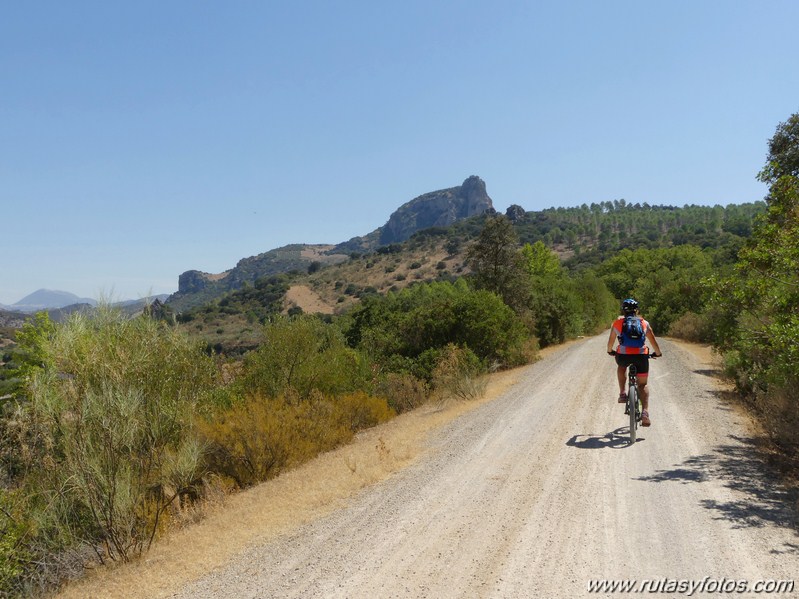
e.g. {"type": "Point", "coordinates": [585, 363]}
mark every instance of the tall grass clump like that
{"type": "Point", "coordinates": [106, 431]}
{"type": "Point", "coordinates": [402, 391]}
{"type": "Point", "coordinates": [457, 374]}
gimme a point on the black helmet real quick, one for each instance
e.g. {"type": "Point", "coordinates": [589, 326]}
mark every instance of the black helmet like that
{"type": "Point", "coordinates": [629, 306]}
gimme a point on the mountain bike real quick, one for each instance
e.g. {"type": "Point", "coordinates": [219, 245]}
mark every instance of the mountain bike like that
{"type": "Point", "coordinates": [633, 407]}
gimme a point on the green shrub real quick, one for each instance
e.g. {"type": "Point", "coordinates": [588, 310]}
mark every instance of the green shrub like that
{"type": "Point", "coordinates": [302, 353]}
{"type": "Point", "coordinates": [108, 430]}
{"type": "Point", "coordinates": [403, 332]}
{"type": "Point", "coordinates": [13, 553]}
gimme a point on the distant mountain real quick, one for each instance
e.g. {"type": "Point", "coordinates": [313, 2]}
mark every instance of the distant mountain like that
{"type": "Point", "coordinates": [434, 209]}
{"type": "Point", "coordinates": [47, 299]}
{"type": "Point", "coordinates": [129, 307]}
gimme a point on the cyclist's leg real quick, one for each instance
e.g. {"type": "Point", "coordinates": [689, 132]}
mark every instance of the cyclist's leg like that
{"type": "Point", "coordinates": [643, 388]}
{"type": "Point", "coordinates": [621, 375]}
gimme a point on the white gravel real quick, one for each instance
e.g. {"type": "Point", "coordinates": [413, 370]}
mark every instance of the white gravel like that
{"type": "Point", "coordinates": [538, 493]}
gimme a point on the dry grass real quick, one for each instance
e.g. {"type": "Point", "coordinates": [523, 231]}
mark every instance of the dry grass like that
{"type": "Point", "coordinates": [306, 298]}
{"type": "Point", "coordinates": [280, 505]}
{"type": "Point", "coordinates": [318, 254]}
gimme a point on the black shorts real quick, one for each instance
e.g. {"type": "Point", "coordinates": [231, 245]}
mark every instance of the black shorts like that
{"type": "Point", "coordinates": [641, 361]}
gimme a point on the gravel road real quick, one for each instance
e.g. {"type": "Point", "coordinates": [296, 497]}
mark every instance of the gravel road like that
{"type": "Point", "coordinates": [538, 493]}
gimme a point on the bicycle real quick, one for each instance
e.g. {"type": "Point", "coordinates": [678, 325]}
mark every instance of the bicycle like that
{"type": "Point", "coordinates": [632, 407]}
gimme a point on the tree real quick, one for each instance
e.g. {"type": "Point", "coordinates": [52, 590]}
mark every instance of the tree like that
{"type": "Point", "coordinates": [667, 281]}
{"type": "Point", "coordinates": [497, 264]}
{"type": "Point", "coordinates": [540, 261]}
{"type": "Point", "coordinates": [783, 157]}
{"type": "Point", "coordinates": [758, 308]}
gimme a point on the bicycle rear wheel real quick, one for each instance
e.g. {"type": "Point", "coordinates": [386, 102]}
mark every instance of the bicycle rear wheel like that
{"type": "Point", "coordinates": [632, 399]}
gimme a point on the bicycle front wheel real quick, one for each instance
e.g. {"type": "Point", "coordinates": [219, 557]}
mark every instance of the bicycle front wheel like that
{"type": "Point", "coordinates": [632, 398]}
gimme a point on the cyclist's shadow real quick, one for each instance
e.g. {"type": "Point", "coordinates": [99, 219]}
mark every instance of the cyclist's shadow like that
{"type": "Point", "coordinates": [617, 439]}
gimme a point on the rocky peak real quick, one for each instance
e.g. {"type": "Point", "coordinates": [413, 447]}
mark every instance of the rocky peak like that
{"type": "Point", "coordinates": [437, 209]}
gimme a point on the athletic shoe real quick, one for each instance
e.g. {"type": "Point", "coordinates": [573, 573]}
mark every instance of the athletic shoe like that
{"type": "Point", "coordinates": [622, 397]}
{"type": "Point", "coordinates": [645, 418]}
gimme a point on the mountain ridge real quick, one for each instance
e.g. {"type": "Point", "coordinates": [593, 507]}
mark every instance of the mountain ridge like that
{"type": "Point", "coordinates": [58, 301]}
{"type": "Point", "coordinates": [46, 299]}
{"type": "Point", "coordinates": [439, 208]}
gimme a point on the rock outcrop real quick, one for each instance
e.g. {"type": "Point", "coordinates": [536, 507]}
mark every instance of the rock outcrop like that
{"type": "Point", "coordinates": [437, 209]}
{"type": "Point", "coordinates": [192, 281]}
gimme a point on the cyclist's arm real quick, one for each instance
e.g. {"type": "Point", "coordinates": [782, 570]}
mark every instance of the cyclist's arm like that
{"type": "Point", "coordinates": [650, 336]}
{"type": "Point", "coordinates": [612, 339]}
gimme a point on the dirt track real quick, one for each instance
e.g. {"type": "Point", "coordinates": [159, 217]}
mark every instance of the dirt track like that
{"type": "Point", "coordinates": [537, 493]}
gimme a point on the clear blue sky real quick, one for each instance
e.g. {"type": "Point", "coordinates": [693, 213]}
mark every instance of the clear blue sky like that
{"type": "Point", "coordinates": [142, 139]}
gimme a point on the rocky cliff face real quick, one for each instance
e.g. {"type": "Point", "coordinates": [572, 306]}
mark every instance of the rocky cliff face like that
{"type": "Point", "coordinates": [437, 209]}
{"type": "Point", "coordinates": [192, 281]}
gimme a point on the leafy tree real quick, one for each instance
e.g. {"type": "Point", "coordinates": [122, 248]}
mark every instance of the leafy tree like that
{"type": "Point", "coordinates": [555, 307]}
{"type": "Point", "coordinates": [668, 282]}
{"type": "Point", "coordinates": [598, 305]}
{"type": "Point", "coordinates": [783, 157]}
{"type": "Point", "coordinates": [540, 261]}
{"type": "Point", "coordinates": [496, 263]}
{"type": "Point", "coordinates": [759, 307]}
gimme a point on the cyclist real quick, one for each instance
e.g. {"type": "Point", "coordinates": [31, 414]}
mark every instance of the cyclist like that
{"type": "Point", "coordinates": [632, 351]}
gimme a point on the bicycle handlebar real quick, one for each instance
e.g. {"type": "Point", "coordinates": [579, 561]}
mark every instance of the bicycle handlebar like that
{"type": "Point", "coordinates": [651, 356]}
